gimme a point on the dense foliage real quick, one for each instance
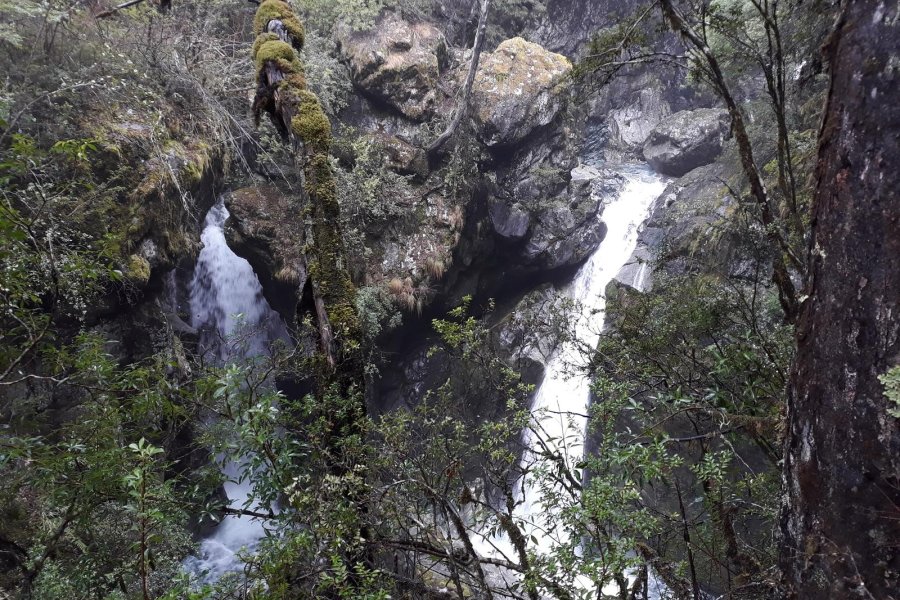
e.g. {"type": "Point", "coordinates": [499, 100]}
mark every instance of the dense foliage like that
{"type": "Point", "coordinates": [111, 447]}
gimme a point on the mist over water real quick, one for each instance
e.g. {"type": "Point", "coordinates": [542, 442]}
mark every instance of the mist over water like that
{"type": "Point", "coordinates": [236, 325]}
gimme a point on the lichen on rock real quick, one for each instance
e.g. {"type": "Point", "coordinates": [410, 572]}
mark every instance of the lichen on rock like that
{"type": "Point", "coordinates": [397, 63]}
{"type": "Point", "coordinates": [518, 88]}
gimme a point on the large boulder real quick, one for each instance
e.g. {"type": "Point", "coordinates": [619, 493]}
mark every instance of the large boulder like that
{"type": "Point", "coordinates": [517, 89]}
{"type": "Point", "coordinates": [631, 125]}
{"type": "Point", "coordinates": [686, 140]}
{"type": "Point", "coordinates": [566, 230]}
{"type": "Point", "coordinates": [685, 230]}
{"type": "Point", "coordinates": [396, 63]}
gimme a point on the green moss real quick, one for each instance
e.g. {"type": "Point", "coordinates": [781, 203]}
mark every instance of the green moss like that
{"type": "Point", "coordinates": [196, 165]}
{"type": "Point", "coordinates": [325, 251]}
{"type": "Point", "coordinates": [138, 269]}
{"type": "Point", "coordinates": [277, 9]}
{"type": "Point", "coordinates": [296, 82]}
{"type": "Point", "coordinates": [262, 39]}
{"type": "Point", "coordinates": [280, 53]}
{"type": "Point", "coordinates": [311, 125]}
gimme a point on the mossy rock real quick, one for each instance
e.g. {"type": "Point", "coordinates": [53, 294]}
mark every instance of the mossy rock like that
{"type": "Point", "coordinates": [271, 10]}
{"type": "Point", "coordinates": [138, 269]}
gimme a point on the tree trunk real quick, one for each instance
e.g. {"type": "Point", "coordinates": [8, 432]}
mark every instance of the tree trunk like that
{"type": "Point", "coordinates": [463, 106]}
{"type": "Point", "coordinates": [841, 519]}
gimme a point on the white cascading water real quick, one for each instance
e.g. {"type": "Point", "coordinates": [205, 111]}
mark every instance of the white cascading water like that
{"type": "Point", "coordinates": [236, 324]}
{"type": "Point", "coordinates": [562, 398]}
{"type": "Point", "coordinates": [227, 303]}
{"type": "Point", "coordinates": [561, 401]}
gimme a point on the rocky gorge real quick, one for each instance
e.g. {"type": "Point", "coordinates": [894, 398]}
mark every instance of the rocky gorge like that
{"type": "Point", "coordinates": [265, 337]}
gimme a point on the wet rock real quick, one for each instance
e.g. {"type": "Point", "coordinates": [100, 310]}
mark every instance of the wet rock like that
{"type": "Point", "coordinates": [561, 240]}
{"type": "Point", "coordinates": [631, 125]}
{"type": "Point", "coordinates": [687, 211]}
{"type": "Point", "coordinates": [396, 63]}
{"type": "Point", "coordinates": [686, 140]}
{"type": "Point", "coordinates": [569, 228]}
{"type": "Point", "coordinates": [685, 230]}
{"type": "Point", "coordinates": [519, 336]}
{"type": "Point", "coordinates": [518, 88]}
{"type": "Point", "coordinates": [266, 230]}
{"type": "Point", "coordinates": [510, 221]}
{"type": "Point", "coordinates": [402, 157]}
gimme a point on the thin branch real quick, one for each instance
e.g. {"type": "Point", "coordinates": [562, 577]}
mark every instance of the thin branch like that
{"type": "Point", "coordinates": [463, 106]}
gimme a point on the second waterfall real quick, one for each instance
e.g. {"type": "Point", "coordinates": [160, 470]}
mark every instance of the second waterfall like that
{"type": "Point", "coordinates": [236, 325]}
{"type": "Point", "coordinates": [561, 402]}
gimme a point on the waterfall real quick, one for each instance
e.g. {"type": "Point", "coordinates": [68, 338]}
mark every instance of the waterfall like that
{"type": "Point", "coordinates": [236, 325]}
{"type": "Point", "coordinates": [227, 304]}
{"type": "Point", "coordinates": [562, 399]}
{"type": "Point", "coordinates": [563, 395]}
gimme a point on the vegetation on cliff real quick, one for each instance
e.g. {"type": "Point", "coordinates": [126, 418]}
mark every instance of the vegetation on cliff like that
{"type": "Point", "coordinates": [389, 460]}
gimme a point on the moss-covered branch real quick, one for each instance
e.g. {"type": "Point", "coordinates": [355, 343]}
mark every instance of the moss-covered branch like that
{"type": "Point", "coordinates": [282, 93]}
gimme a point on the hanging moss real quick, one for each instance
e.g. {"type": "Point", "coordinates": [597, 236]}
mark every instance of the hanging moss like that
{"type": "Point", "coordinates": [274, 50]}
{"type": "Point", "coordinates": [260, 40]}
{"type": "Point", "coordinates": [311, 125]}
{"type": "Point", "coordinates": [293, 84]}
{"type": "Point", "coordinates": [271, 10]}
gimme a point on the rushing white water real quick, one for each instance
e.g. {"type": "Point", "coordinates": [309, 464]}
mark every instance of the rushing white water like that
{"type": "Point", "coordinates": [561, 401]}
{"type": "Point", "coordinates": [562, 398]}
{"type": "Point", "coordinates": [236, 324]}
{"type": "Point", "coordinates": [227, 303]}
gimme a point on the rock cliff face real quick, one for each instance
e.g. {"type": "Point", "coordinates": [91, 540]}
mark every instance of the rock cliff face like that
{"type": "Point", "coordinates": [686, 140]}
{"type": "Point", "coordinates": [520, 209]}
{"type": "Point", "coordinates": [513, 206]}
{"type": "Point", "coordinates": [397, 63]}
{"type": "Point", "coordinates": [266, 229]}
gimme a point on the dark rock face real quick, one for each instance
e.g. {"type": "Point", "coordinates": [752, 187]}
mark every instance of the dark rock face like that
{"type": "Point", "coordinates": [685, 230]}
{"type": "Point", "coordinates": [397, 63]}
{"type": "Point", "coordinates": [518, 337]}
{"type": "Point", "coordinates": [569, 24]}
{"type": "Point", "coordinates": [630, 125]}
{"type": "Point", "coordinates": [841, 519]}
{"type": "Point", "coordinates": [509, 221]}
{"type": "Point", "coordinates": [569, 229]}
{"type": "Point", "coordinates": [401, 156]}
{"type": "Point", "coordinates": [684, 214]}
{"type": "Point", "coordinates": [266, 230]}
{"type": "Point", "coordinates": [686, 140]}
